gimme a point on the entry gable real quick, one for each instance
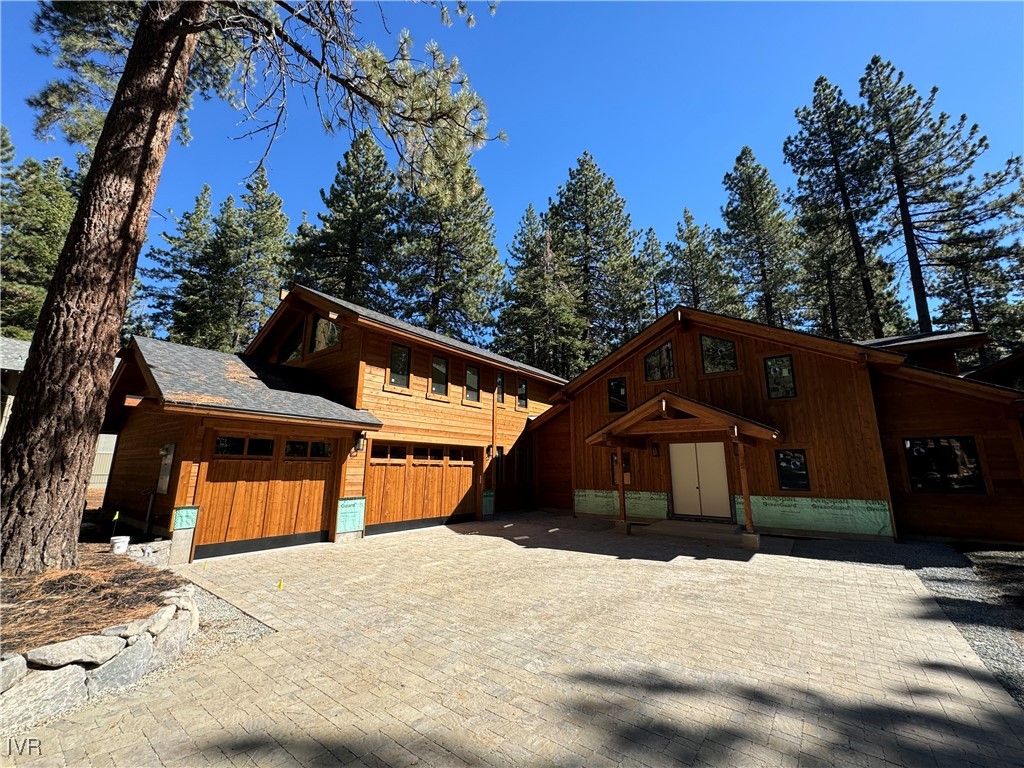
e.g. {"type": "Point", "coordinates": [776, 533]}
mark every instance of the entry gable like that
{"type": "Point", "coordinates": [668, 412]}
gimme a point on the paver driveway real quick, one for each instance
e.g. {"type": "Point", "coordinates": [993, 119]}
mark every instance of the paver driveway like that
{"type": "Point", "coordinates": [507, 642]}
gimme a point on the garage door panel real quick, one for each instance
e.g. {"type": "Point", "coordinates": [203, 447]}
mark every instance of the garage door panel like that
{"type": "Point", "coordinates": [313, 484]}
{"type": "Point", "coordinates": [216, 507]}
{"type": "Point", "coordinates": [250, 501]}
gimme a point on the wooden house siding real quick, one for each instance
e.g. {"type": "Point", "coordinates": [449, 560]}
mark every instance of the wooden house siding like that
{"type": "Point", "coordinates": [136, 467]}
{"type": "Point", "coordinates": [831, 417]}
{"type": "Point", "coordinates": [909, 409]}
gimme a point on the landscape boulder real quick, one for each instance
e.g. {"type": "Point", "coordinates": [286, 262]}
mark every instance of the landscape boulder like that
{"type": "Point", "coordinates": [12, 669]}
{"type": "Point", "coordinates": [88, 649]}
{"type": "Point", "coordinates": [125, 668]}
{"type": "Point", "coordinates": [42, 694]}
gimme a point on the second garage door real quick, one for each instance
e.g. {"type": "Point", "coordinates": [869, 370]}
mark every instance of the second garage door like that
{"type": "Point", "coordinates": [262, 492]}
{"type": "Point", "coordinates": [417, 485]}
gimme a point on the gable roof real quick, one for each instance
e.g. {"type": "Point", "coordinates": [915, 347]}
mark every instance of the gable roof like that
{"type": "Point", "coordinates": [13, 353]}
{"type": "Point", "coordinates": [379, 319]}
{"type": "Point", "coordinates": [656, 407]}
{"type": "Point", "coordinates": [680, 315]}
{"type": "Point", "coordinates": [1003, 363]}
{"type": "Point", "coordinates": [218, 381]}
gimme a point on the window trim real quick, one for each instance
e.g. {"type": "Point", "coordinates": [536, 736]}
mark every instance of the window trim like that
{"type": "Point", "coordinates": [625, 386]}
{"type": "Point", "coordinates": [655, 348]}
{"type": "Point", "coordinates": [703, 363]}
{"type": "Point", "coordinates": [979, 445]}
{"type": "Point", "coordinates": [810, 478]}
{"type": "Point", "coordinates": [526, 393]}
{"type": "Point", "coordinates": [447, 378]}
{"type": "Point", "coordinates": [499, 393]}
{"type": "Point", "coordinates": [388, 372]}
{"type": "Point", "coordinates": [466, 399]}
{"type": "Point", "coordinates": [792, 372]}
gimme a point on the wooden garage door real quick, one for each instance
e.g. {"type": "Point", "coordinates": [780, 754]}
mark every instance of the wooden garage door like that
{"type": "Point", "coordinates": [262, 492]}
{"type": "Point", "coordinates": [412, 485]}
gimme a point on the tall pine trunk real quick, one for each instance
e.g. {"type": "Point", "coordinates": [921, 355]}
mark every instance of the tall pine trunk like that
{"type": "Point", "coordinates": [50, 442]}
{"type": "Point", "coordinates": [924, 317]}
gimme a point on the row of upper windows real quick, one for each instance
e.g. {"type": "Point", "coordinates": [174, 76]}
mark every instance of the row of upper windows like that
{"type": "Point", "coordinates": [399, 375]}
{"type": "Point", "coordinates": [717, 356]}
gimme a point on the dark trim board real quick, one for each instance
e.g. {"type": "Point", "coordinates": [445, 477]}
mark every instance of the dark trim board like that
{"type": "Point", "coordinates": [411, 525]}
{"type": "Point", "coordinates": [258, 545]}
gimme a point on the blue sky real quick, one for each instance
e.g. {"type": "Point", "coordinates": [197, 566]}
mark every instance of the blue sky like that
{"type": "Point", "coordinates": [663, 95]}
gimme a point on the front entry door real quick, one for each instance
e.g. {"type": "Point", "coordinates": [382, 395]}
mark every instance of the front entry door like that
{"type": "Point", "coordinates": [700, 483]}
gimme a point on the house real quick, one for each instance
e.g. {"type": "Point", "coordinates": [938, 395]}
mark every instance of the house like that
{"type": "Point", "coordinates": [339, 421]}
{"type": "Point", "coordinates": [336, 421]}
{"type": "Point", "coordinates": [935, 350]}
{"type": "Point", "coordinates": [708, 417]}
{"type": "Point", "coordinates": [1007, 371]}
{"type": "Point", "coordinates": [13, 355]}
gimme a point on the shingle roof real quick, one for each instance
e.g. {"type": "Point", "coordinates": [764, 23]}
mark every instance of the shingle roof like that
{"type": "Point", "coordinates": [13, 353]}
{"type": "Point", "coordinates": [437, 338]}
{"type": "Point", "coordinates": [207, 379]}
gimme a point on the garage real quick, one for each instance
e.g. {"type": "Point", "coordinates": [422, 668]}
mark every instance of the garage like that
{"type": "Point", "coordinates": [416, 485]}
{"type": "Point", "coordinates": [264, 491]}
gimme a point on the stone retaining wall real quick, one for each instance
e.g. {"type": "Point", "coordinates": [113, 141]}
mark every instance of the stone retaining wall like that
{"type": "Point", "coordinates": [52, 679]}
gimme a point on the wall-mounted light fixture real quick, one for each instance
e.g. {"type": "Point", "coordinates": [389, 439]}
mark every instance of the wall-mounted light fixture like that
{"type": "Point", "coordinates": [490, 451]}
{"type": "Point", "coordinates": [360, 443]}
{"type": "Point", "coordinates": [655, 450]}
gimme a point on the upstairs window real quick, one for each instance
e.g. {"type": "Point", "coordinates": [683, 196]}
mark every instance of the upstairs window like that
{"type": "Point", "coordinates": [659, 364]}
{"type": "Point", "coordinates": [324, 336]}
{"type": "Point", "coordinates": [291, 349]}
{"type": "Point", "coordinates": [944, 465]}
{"type": "Point", "coordinates": [439, 376]}
{"type": "Point", "coordinates": [617, 401]}
{"type": "Point", "coordinates": [718, 355]}
{"type": "Point", "coordinates": [499, 386]}
{"type": "Point", "coordinates": [778, 374]}
{"type": "Point", "coordinates": [473, 383]}
{"type": "Point", "coordinates": [522, 395]}
{"type": "Point", "coordinates": [398, 375]}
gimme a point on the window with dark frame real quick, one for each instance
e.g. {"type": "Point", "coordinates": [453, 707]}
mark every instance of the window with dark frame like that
{"type": "Point", "coordinates": [522, 394]}
{"type": "Point", "coordinates": [499, 386]}
{"type": "Point", "coordinates": [398, 375]}
{"type": "Point", "coordinates": [419, 453]}
{"type": "Point", "coordinates": [778, 375]}
{"type": "Point", "coordinates": [627, 474]}
{"type": "Point", "coordinates": [320, 449]}
{"type": "Point", "coordinates": [259, 446]}
{"type": "Point", "coordinates": [944, 464]}
{"type": "Point", "coordinates": [324, 336]}
{"type": "Point", "coordinates": [291, 348]}
{"type": "Point", "coordinates": [472, 383]}
{"type": "Point", "coordinates": [617, 400]}
{"type": "Point", "coordinates": [229, 446]}
{"type": "Point", "coordinates": [718, 355]}
{"type": "Point", "coordinates": [436, 453]}
{"type": "Point", "coordinates": [439, 375]}
{"type": "Point", "coordinates": [296, 449]}
{"type": "Point", "coordinates": [455, 454]}
{"type": "Point", "coordinates": [791, 466]}
{"type": "Point", "coordinates": [659, 363]}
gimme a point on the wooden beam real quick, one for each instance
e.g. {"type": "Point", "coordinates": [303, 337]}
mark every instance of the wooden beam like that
{"type": "Point", "coordinates": [673, 426]}
{"type": "Point", "coordinates": [748, 515]}
{"type": "Point", "coordinates": [622, 484]}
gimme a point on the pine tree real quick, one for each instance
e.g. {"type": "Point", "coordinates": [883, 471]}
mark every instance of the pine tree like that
{"type": "Point", "coordinates": [837, 175]}
{"type": "Point", "coordinates": [759, 240]}
{"type": "Point", "coordinates": [700, 275]}
{"type": "Point", "coordinates": [36, 210]}
{"type": "Point", "coordinates": [974, 292]}
{"type": "Point", "coordinates": [348, 254]}
{"type": "Point", "coordinates": [930, 195]}
{"type": "Point", "coordinates": [138, 320]}
{"type": "Point", "coordinates": [830, 289]}
{"type": "Point", "coordinates": [448, 277]}
{"type": "Point", "coordinates": [184, 253]}
{"type": "Point", "coordinates": [591, 230]}
{"type": "Point", "coordinates": [654, 263]}
{"type": "Point", "coordinates": [262, 255]}
{"type": "Point", "coordinates": [539, 323]}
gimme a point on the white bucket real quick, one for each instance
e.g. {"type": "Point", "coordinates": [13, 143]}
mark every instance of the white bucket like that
{"type": "Point", "coordinates": [119, 544]}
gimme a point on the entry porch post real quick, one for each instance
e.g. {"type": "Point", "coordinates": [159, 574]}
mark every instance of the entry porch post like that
{"type": "Point", "coordinates": [622, 483]}
{"type": "Point", "coordinates": [745, 486]}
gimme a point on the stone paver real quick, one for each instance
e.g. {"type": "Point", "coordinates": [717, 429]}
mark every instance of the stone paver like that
{"type": "Point", "coordinates": [524, 642]}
